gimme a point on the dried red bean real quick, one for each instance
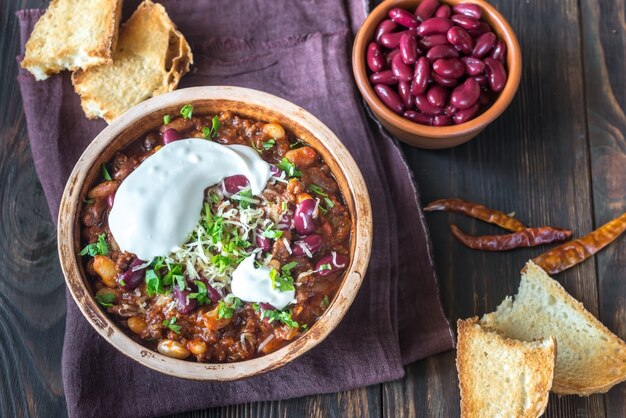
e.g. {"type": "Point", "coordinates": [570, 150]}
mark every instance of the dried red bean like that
{"type": "Point", "coordinates": [459, 37]}
{"type": "Point", "coordinates": [383, 77]}
{"type": "Point", "coordinates": [404, 91]}
{"type": "Point", "coordinates": [449, 68]}
{"type": "Point", "coordinates": [171, 135]}
{"type": "Point", "coordinates": [389, 97]}
{"type": "Point", "coordinates": [428, 42]}
{"type": "Point", "coordinates": [389, 56]}
{"type": "Point", "coordinates": [433, 26]}
{"type": "Point", "coordinates": [499, 51]}
{"type": "Point", "coordinates": [473, 66]}
{"type": "Point", "coordinates": [400, 70]}
{"type": "Point", "coordinates": [481, 80]}
{"type": "Point", "coordinates": [482, 28]}
{"type": "Point", "coordinates": [418, 117]}
{"type": "Point", "coordinates": [449, 110]}
{"type": "Point", "coordinates": [484, 43]}
{"type": "Point", "coordinates": [442, 51]}
{"type": "Point", "coordinates": [443, 11]}
{"type": "Point", "coordinates": [403, 17]}
{"type": "Point", "coordinates": [442, 120]}
{"type": "Point", "coordinates": [466, 94]}
{"type": "Point", "coordinates": [421, 75]}
{"type": "Point", "coordinates": [426, 9]}
{"type": "Point", "coordinates": [437, 95]}
{"type": "Point", "coordinates": [386, 26]}
{"type": "Point", "coordinates": [496, 74]}
{"type": "Point", "coordinates": [465, 22]}
{"type": "Point", "coordinates": [468, 9]}
{"type": "Point", "coordinates": [391, 40]}
{"type": "Point", "coordinates": [375, 59]}
{"type": "Point", "coordinates": [462, 116]}
{"type": "Point", "coordinates": [423, 105]}
{"type": "Point", "coordinates": [408, 48]}
{"type": "Point", "coordinates": [446, 82]}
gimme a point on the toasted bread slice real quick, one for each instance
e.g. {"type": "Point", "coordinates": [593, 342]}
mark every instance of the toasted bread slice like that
{"type": "Point", "coordinates": [500, 377]}
{"type": "Point", "coordinates": [73, 34]}
{"type": "Point", "coordinates": [150, 59]}
{"type": "Point", "coordinates": [591, 359]}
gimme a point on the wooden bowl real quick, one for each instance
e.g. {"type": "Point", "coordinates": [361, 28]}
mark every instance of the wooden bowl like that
{"type": "Point", "coordinates": [435, 137]}
{"type": "Point", "coordinates": [249, 103]}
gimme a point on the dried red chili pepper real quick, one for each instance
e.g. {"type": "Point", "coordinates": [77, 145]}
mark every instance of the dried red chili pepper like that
{"type": "Point", "coordinates": [477, 211]}
{"type": "Point", "coordinates": [528, 237]}
{"type": "Point", "coordinates": [574, 252]}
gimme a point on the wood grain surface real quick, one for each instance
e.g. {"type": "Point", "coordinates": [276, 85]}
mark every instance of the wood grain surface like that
{"type": "Point", "coordinates": [556, 156]}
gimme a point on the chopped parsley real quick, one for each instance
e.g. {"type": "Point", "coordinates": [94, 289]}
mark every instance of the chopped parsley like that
{"type": "Point", "coordinates": [171, 324]}
{"type": "Point", "coordinates": [212, 131]}
{"type": "Point", "coordinates": [329, 203]}
{"type": "Point", "coordinates": [105, 173]}
{"type": "Point", "coordinates": [206, 131]}
{"type": "Point", "coordinates": [283, 280]}
{"type": "Point", "coordinates": [99, 247]}
{"type": "Point", "coordinates": [269, 144]}
{"type": "Point", "coordinates": [295, 144]}
{"type": "Point", "coordinates": [245, 198]}
{"type": "Point", "coordinates": [272, 233]}
{"type": "Point", "coordinates": [106, 299]}
{"type": "Point", "coordinates": [289, 168]}
{"type": "Point", "coordinates": [153, 283]}
{"type": "Point", "coordinates": [157, 284]}
{"type": "Point", "coordinates": [186, 111]}
{"type": "Point", "coordinates": [325, 302]}
{"type": "Point", "coordinates": [317, 190]}
{"type": "Point", "coordinates": [166, 119]}
{"type": "Point", "coordinates": [282, 316]}
{"type": "Point", "coordinates": [202, 295]}
{"type": "Point", "coordinates": [227, 308]}
{"type": "Point", "coordinates": [325, 266]}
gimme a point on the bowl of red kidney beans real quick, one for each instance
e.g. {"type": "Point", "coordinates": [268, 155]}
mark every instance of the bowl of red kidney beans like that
{"type": "Point", "coordinates": [436, 73]}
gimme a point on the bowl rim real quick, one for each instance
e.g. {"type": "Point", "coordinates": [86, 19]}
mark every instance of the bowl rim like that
{"type": "Point", "coordinates": [360, 240]}
{"type": "Point", "coordinates": [514, 63]}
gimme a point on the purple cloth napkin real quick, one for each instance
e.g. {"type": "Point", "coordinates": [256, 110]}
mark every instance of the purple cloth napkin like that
{"type": "Point", "coordinates": [299, 51]}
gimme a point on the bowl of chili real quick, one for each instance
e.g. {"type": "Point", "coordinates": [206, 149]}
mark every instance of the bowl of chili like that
{"type": "Point", "coordinates": [268, 200]}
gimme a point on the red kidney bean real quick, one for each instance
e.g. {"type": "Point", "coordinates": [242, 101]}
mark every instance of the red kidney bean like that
{"type": "Point", "coordinates": [441, 51]}
{"type": "Point", "coordinates": [473, 66]}
{"type": "Point", "coordinates": [443, 11]}
{"type": "Point", "coordinates": [337, 262]}
{"type": "Point", "coordinates": [482, 28]}
{"type": "Point", "coordinates": [459, 37]}
{"type": "Point", "coordinates": [469, 10]}
{"type": "Point", "coordinates": [428, 42]}
{"type": "Point", "coordinates": [449, 110]}
{"type": "Point", "coordinates": [484, 43]}
{"type": "Point", "coordinates": [130, 279]}
{"type": "Point", "coordinates": [449, 68]}
{"type": "Point", "coordinates": [481, 80]}
{"type": "Point", "coordinates": [389, 56]}
{"type": "Point", "coordinates": [386, 26]}
{"type": "Point", "coordinates": [285, 222]}
{"type": "Point", "coordinates": [444, 81]}
{"type": "Point", "coordinates": [275, 170]}
{"type": "Point", "coordinates": [437, 95]}
{"type": "Point", "coordinates": [433, 26]}
{"type": "Point", "coordinates": [417, 117]}
{"type": "Point", "coordinates": [462, 116]}
{"type": "Point", "coordinates": [465, 22]}
{"type": "Point", "coordinates": [184, 305]}
{"type": "Point", "coordinates": [499, 51]}
{"type": "Point", "coordinates": [426, 9]}
{"type": "Point", "coordinates": [496, 74]}
{"type": "Point", "coordinates": [389, 98]}
{"type": "Point", "coordinates": [420, 76]}
{"type": "Point", "coordinates": [111, 199]}
{"type": "Point", "coordinates": [442, 120]}
{"type": "Point", "coordinates": [383, 77]}
{"type": "Point", "coordinates": [262, 242]}
{"type": "Point", "coordinates": [210, 290]}
{"type": "Point", "coordinates": [408, 48]}
{"type": "Point", "coordinates": [234, 184]}
{"type": "Point", "coordinates": [312, 243]}
{"type": "Point", "coordinates": [171, 135]}
{"type": "Point", "coordinates": [466, 94]}
{"type": "Point", "coordinates": [423, 105]}
{"type": "Point", "coordinates": [303, 220]}
{"type": "Point", "coordinates": [400, 70]}
{"type": "Point", "coordinates": [375, 59]}
{"type": "Point", "coordinates": [403, 17]}
{"type": "Point", "coordinates": [391, 40]}
{"type": "Point", "coordinates": [404, 90]}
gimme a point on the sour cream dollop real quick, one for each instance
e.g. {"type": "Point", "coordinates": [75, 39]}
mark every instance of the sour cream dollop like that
{"type": "Point", "coordinates": [252, 284]}
{"type": "Point", "coordinates": [158, 205]}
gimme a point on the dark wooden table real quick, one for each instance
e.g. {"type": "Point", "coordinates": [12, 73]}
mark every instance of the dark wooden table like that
{"type": "Point", "coordinates": [557, 156]}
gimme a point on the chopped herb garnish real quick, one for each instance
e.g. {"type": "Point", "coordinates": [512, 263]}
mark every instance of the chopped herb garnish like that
{"type": "Point", "coordinates": [153, 283]}
{"type": "Point", "coordinates": [171, 324]}
{"type": "Point", "coordinates": [215, 198]}
{"type": "Point", "coordinates": [256, 307]}
{"type": "Point", "coordinates": [226, 307]}
{"type": "Point", "coordinates": [282, 282]}
{"type": "Point", "coordinates": [215, 125]}
{"type": "Point", "coordinates": [166, 119]}
{"type": "Point", "coordinates": [322, 209]}
{"type": "Point", "coordinates": [282, 316]}
{"type": "Point", "coordinates": [105, 173]}
{"type": "Point", "coordinates": [99, 247]}
{"type": "Point", "coordinates": [186, 111]}
{"type": "Point", "coordinates": [329, 203]}
{"type": "Point", "coordinates": [88, 201]}
{"type": "Point", "coordinates": [106, 299]}
{"type": "Point", "coordinates": [288, 267]}
{"type": "Point", "coordinates": [272, 233]}
{"type": "Point", "coordinates": [295, 144]}
{"type": "Point", "coordinates": [122, 282]}
{"type": "Point", "coordinates": [326, 266]}
{"type": "Point", "coordinates": [269, 144]}
{"type": "Point", "coordinates": [325, 302]}
{"type": "Point", "coordinates": [201, 295]}
{"type": "Point", "coordinates": [245, 198]}
{"type": "Point", "coordinates": [317, 189]}
{"type": "Point", "coordinates": [283, 205]}
{"type": "Point", "coordinates": [289, 168]}
{"type": "Point", "coordinates": [206, 131]}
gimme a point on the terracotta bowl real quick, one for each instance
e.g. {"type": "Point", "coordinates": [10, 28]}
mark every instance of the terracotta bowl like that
{"type": "Point", "coordinates": [435, 137]}
{"type": "Point", "coordinates": [249, 103]}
